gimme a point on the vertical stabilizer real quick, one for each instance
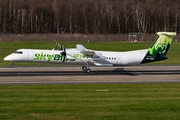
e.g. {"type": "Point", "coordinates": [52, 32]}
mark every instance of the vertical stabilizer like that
{"type": "Point", "coordinates": [160, 47]}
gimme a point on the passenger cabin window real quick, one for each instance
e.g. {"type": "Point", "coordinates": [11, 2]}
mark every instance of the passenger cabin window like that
{"type": "Point", "coordinates": [18, 52]}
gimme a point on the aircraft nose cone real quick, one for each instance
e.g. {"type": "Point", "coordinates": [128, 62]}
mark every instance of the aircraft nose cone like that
{"type": "Point", "coordinates": [7, 58]}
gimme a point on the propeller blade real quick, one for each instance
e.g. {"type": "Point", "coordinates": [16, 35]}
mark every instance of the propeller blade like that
{"type": "Point", "coordinates": [60, 46]}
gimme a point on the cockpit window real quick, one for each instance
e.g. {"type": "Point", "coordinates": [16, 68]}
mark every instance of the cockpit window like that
{"type": "Point", "coordinates": [18, 52]}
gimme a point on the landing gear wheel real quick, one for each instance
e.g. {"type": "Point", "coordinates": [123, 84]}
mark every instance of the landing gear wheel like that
{"type": "Point", "coordinates": [84, 68]}
{"type": "Point", "coordinates": [12, 65]}
{"type": "Point", "coordinates": [88, 70]}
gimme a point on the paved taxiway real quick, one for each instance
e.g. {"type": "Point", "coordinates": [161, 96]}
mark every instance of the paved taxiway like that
{"type": "Point", "coordinates": [70, 75]}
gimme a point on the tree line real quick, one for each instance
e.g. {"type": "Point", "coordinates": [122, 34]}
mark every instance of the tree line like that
{"type": "Point", "coordinates": [89, 16]}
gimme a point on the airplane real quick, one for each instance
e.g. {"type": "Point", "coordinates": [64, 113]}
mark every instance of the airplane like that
{"type": "Point", "coordinates": [82, 55]}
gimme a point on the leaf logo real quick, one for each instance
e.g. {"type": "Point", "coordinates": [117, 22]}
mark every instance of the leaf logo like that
{"type": "Point", "coordinates": [160, 47]}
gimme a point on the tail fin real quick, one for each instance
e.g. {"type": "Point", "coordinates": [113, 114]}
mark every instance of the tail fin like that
{"type": "Point", "coordinates": [160, 47]}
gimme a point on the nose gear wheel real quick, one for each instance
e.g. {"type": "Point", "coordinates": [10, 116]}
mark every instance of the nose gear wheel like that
{"type": "Point", "coordinates": [12, 64]}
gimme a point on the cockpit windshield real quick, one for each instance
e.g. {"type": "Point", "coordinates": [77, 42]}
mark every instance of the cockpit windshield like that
{"type": "Point", "coordinates": [18, 52]}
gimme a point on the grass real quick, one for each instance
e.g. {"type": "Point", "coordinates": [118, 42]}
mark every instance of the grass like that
{"type": "Point", "coordinates": [90, 101]}
{"type": "Point", "coordinates": [9, 47]}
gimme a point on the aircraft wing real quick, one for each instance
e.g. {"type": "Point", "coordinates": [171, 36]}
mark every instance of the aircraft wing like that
{"type": "Point", "coordinates": [98, 58]}
{"type": "Point", "coordinates": [84, 51]}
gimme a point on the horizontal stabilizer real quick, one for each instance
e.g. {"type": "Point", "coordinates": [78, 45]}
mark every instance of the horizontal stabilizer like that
{"type": "Point", "coordinates": [167, 33]}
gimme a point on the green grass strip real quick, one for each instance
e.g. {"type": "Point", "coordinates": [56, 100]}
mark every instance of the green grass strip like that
{"type": "Point", "coordinates": [90, 102]}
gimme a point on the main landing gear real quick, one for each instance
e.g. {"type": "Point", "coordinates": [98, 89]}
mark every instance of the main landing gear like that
{"type": "Point", "coordinates": [86, 69]}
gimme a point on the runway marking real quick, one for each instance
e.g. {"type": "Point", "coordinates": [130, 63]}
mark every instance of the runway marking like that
{"type": "Point", "coordinates": [103, 90]}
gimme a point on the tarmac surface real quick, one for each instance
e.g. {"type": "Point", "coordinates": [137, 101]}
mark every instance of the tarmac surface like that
{"type": "Point", "coordinates": [99, 75]}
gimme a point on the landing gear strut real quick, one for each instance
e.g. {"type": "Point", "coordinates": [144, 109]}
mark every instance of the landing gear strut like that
{"type": "Point", "coordinates": [86, 67]}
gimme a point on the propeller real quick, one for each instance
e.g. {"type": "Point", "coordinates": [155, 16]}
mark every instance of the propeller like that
{"type": "Point", "coordinates": [63, 53]}
{"type": "Point", "coordinates": [60, 46]}
{"type": "Point", "coordinates": [54, 41]}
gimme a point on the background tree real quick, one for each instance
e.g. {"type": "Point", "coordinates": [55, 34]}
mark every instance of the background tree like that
{"type": "Point", "coordinates": [89, 16]}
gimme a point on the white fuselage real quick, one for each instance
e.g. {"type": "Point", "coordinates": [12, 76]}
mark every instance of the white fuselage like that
{"type": "Point", "coordinates": [104, 58]}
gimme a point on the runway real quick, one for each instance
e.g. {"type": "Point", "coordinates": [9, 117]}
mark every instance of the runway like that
{"type": "Point", "coordinates": [99, 75]}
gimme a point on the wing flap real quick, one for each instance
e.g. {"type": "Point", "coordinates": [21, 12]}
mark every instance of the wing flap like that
{"type": "Point", "coordinates": [101, 62]}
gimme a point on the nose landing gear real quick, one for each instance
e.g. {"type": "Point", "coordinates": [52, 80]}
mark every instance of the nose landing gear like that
{"type": "Point", "coordinates": [12, 64]}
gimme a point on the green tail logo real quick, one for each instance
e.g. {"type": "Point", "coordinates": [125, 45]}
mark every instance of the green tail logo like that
{"type": "Point", "coordinates": [160, 47]}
